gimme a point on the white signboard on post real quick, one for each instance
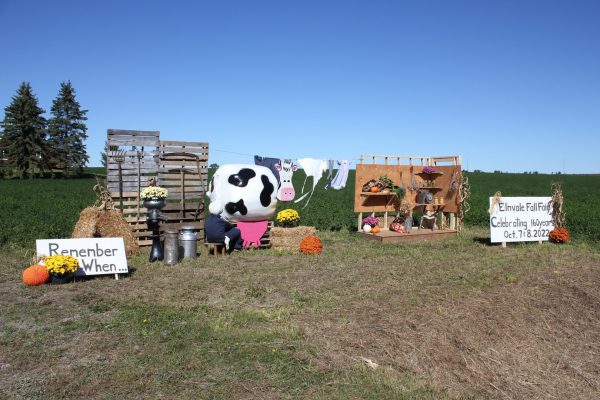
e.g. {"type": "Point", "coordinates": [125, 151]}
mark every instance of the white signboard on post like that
{"type": "Point", "coordinates": [97, 256]}
{"type": "Point", "coordinates": [521, 219]}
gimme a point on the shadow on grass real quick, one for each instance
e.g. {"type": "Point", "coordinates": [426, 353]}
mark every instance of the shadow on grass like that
{"type": "Point", "coordinates": [482, 240]}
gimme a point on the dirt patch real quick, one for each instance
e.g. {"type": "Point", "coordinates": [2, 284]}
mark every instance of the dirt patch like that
{"type": "Point", "coordinates": [538, 338]}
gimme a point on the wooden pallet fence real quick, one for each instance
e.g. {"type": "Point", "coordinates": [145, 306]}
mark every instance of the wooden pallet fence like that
{"type": "Point", "coordinates": [183, 171]}
{"type": "Point", "coordinates": [181, 167]}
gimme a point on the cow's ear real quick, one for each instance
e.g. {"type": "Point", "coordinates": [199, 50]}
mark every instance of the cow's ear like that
{"type": "Point", "coordinates": [278, 166]}
{"type": "Point", "coordinates": [294, 167]}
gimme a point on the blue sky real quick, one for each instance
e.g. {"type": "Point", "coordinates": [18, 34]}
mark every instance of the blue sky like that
{"type": "Point", "coordinates": [508, 85]}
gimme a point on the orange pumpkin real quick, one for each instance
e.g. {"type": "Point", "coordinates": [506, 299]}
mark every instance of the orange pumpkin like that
{"type": "Point", "coordinates": [375, 229]}
{"type": "Point", "coordinates": [374, 189]}
{"type": "Point", "coordinates": [35, 275]}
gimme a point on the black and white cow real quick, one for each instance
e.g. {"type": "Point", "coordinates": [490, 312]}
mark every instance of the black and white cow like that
{"type": "Point", "coordinates": [243, 192]}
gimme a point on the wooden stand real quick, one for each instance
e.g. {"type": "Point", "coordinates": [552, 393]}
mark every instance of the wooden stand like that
{"type": "Point", "coordinates": [401, 170]}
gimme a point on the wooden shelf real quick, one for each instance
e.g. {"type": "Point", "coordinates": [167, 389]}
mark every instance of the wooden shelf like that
{"type": "Point", "coordinates": [436, 174]}
{"type": "Point", "coordinates": [377, 194]}
{"type": "Point", "coordinates": [430, 204]}
{"type": "Point", "coordinates": [431, 188]}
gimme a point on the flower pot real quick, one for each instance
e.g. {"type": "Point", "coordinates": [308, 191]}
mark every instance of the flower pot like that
{"type": "Point", "coordinates": [60, 279]}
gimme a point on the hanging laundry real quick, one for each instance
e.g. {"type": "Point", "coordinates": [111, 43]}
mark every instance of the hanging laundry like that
{"type": "Point", "coordinates": [314, 168]}
{"type": "Point", "coordinates": [270, 163]}
{"type": "Point", "coordinates": [339, 182]}
{"type": "Point", "coordinates": [330, 174]}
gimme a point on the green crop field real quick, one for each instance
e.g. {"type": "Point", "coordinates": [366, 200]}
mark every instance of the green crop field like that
{"type": "Point", "coordinates": [34, 209]}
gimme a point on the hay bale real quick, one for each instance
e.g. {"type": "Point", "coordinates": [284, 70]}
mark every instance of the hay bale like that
{"type": "Point", "coordinates": [289, 238]}
{"type": "Point", "coordinates": [86, 225]}
{"type": "Point", "coordinates": [94, 222]}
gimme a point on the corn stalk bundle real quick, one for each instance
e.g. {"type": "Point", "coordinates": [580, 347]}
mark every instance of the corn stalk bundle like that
{"type": "Point", "coordinates": [558, 211]}
{"type": "Point", "coordinates": [464, 192]}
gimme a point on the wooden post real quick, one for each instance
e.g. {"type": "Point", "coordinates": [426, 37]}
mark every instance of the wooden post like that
{"type": "Point", "coordinates": [503, 244]}
{"type": "Point", "coordinates": [359, 222]}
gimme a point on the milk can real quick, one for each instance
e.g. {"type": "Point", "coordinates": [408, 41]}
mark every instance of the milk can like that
{"type": "Point", "coordinates": [188, 242]}
{"type": "Point", "coordinates": [171, 252]}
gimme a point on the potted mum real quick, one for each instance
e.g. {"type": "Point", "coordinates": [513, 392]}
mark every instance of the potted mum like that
{"type": "Point", "coordinates": [288, 218]}
{"type": "Point", "coordinates": [369, 223]}
{"type": "Point", "coordinates": [61, 268]}
{"type": "Point", "coordinates": [154, 199]}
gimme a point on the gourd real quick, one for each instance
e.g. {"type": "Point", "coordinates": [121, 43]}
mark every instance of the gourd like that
{"type": "Point", "coordinates": [375, 229]}
{"type": "Point", "coordinates": [36, 274]}
{"type": "Point", "coordinates": [374, 189]}
{"type": "Point", "coordinates": [311, 245]}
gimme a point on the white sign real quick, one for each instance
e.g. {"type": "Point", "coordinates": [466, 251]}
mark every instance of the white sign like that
{"type": "Point", "coordinates": [97, 256]}
{"type": "Point", "coordinates": [521, 219]}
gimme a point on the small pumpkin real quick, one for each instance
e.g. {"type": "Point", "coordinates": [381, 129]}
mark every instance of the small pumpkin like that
{"type": "Point", "coordinates": [374, 189]}
{"type": "Point", "coordinates": [375, 229]}
{"type": "Point", "coordinates": [35, 275]}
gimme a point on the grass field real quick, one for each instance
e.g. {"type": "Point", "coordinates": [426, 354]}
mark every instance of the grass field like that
{"type": "Point", "coordinates": [454, 318]}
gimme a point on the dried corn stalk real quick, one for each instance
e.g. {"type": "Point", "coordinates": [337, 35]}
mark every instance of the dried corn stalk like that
{"type": "Point", "coordinates": [104, 200]}
{"type": "Point", "coordinates": [558, 211]}
{"type": "Point", "coordinates": [454, 182]}
{"type": "Point", "coordinates": [464, 192]}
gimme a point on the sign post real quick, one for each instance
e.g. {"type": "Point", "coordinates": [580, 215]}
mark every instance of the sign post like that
{"type": "Point", "coordinates": [96, 256]}
{"type": "Point", "coordinates": [520, 219]}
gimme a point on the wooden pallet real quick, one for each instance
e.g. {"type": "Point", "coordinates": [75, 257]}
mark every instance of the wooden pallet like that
{"type": "Point", "coordinates": [143, 156]}
{"type": "Point", "coordinates": [183, 171]}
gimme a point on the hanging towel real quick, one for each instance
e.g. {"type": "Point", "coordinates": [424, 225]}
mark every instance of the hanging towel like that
{"type": "Point", "coordinates": [270, 163]}
{"type": "Point", "coordinates": [339, 182]}
{"type": "Point", "coordinates": [330, 174]}
{"type": "Point", "coordinates": [312, 167]}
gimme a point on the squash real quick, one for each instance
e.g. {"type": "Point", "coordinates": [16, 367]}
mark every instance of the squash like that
{"type": "Point", "coordinates": [375, 229]}
{"type": "Point", "coordinates": [374, 189]}
{"type": "Point", "coordinates": [35, 275]}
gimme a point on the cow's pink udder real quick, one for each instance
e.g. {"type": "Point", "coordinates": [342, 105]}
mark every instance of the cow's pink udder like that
{"type": "Point", "coordinates": [287, 194]}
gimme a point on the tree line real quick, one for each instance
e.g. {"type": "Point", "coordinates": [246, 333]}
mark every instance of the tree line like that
{"type": "Point", "coordinates": [31, 145]}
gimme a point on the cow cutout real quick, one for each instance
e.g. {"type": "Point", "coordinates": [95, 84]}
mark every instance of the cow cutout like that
{"type": "Point", "coordinates": [286, 190]}
{"type": "Point", "coordinates": [243, 192]}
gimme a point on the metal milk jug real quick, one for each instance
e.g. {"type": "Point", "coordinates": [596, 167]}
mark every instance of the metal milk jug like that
{"type": "Point", "coordinates": [171, 251]}
{"type": "Point", "coordinates": [188, 242]}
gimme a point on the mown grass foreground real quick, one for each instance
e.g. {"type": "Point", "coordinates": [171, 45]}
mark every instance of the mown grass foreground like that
{"type": "Point", "coordinates": [454, 318]}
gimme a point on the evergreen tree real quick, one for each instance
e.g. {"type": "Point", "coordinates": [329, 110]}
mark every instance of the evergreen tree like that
{"type": "Point", "coordinates": [23, 132]}
{"type": "Point", "coordinates": [67, 131]}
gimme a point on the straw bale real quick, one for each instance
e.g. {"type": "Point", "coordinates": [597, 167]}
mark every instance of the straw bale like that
{"type": "Point", "coordinates": [94, 222]}
{"type": "Point", "coordinates": [86, 225]}
{"type": "Point", "coordinates": [289, 238]}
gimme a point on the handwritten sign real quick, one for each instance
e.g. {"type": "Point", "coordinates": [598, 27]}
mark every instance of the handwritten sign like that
{"type": "Point", "coordinates": [97, 256]}
{"type": "Point", "coordinates": [521, 219]}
